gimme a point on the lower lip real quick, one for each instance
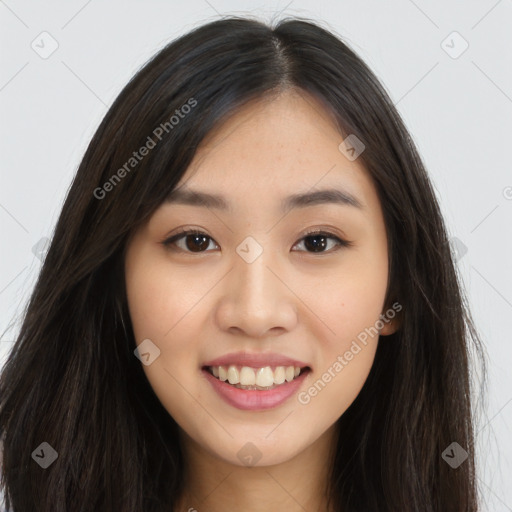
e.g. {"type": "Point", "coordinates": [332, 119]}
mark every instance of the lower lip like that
{"type": "Point", "coordinates": [252, 399]}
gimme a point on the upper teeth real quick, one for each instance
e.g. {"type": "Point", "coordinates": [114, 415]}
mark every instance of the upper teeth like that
{"type": "Point", "coordinates": [247, 376]}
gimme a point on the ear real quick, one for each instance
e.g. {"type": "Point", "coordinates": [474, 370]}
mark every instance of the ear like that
{"type": "Point", "coordinates": [392, 319]}
{"type": "Point", "coordinates": [390, 327]}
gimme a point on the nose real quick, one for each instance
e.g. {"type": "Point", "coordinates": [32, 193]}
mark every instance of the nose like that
{"type": "Point", "coordinates": [256, 299]}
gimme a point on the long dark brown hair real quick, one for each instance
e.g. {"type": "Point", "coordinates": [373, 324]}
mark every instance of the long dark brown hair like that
{"type": "Point", "coordinates": [72, 379]}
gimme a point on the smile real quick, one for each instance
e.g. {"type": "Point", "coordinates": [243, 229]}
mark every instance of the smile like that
{"type": "Point", "coordinates": [254, 397]}
{"type": "Point", "coordinates": [246, 377]}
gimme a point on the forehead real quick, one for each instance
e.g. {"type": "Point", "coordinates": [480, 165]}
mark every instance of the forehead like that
{"type": "Point", "coordinates": [276, 147]}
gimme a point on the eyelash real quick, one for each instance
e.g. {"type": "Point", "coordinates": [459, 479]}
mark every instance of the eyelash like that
{"type": "Point", "coordinates": [185, 232]}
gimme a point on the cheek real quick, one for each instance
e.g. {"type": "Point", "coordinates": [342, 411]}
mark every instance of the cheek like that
{"type": "Point", "coordinates": [161, 304]}
{"type": "Point", "coordinates": [352, 298]}
{"type": "Point", "coordinates": [335, 386]}
{"type": "Point", "coordinates": [345, 352]}
{"type": "Point", "coordinates": [349, 304]}
{"type": "Point", "coordinates": [158, 299]}
{"type": "Point", "coordinates": [161, 307]}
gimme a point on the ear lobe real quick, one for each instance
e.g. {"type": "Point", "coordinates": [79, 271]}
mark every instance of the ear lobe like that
{"type": "Point", "coordinates": [391, 318]}
{"type": "Point", "coordinates": [389, 328]}
{"type": "Point", "coordinates": [392, 325]}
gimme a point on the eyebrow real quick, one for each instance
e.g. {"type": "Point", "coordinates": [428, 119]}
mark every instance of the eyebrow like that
{"type": "Point", "coordinates": [301, 200]}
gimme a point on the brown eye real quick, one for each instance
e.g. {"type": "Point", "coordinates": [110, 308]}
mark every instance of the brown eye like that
{"type": "Point", "coordinates": [317, 242]}
{"type": "Point", "coordinates": [195, 241]}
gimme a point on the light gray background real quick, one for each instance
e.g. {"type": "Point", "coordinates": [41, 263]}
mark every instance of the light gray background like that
{"type": "Point", "coordinates": [458, 110]}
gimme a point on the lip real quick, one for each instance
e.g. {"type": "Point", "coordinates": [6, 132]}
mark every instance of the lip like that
{"type": "Point", "coordinates": [255, 400]}
{"type": "Point", "coordinates": [254, 360]}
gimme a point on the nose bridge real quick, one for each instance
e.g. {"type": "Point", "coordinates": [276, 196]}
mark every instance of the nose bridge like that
{"type": "Point", "coordinates": [256, 300]}
{"type": "Point", "coordinates": [255, 281]}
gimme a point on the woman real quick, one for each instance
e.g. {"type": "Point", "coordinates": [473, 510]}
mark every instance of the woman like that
{"type": "Point", "coordinates": [249, 300]}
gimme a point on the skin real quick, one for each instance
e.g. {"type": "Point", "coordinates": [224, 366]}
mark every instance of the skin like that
{"type": "Point", "coordinates": [196, 306]}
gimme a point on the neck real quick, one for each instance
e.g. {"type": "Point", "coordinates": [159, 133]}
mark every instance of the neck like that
{"type": "Point", "coordinates": [298, 484]}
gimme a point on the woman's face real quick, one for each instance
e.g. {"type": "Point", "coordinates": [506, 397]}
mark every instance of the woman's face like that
{"type": "Point", "coordinates": [254, 294]}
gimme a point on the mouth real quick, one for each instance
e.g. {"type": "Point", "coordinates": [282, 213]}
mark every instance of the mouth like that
{"type": "Point", "coordinates": [250, 378]}
{"type": "Point", "coordinates": [255, 381]}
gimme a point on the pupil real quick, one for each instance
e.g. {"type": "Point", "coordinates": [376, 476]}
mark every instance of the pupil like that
{"type": "Point", "coordinates": [315, 240]}
{"type": "Point", "coordinates": [193, 246]}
